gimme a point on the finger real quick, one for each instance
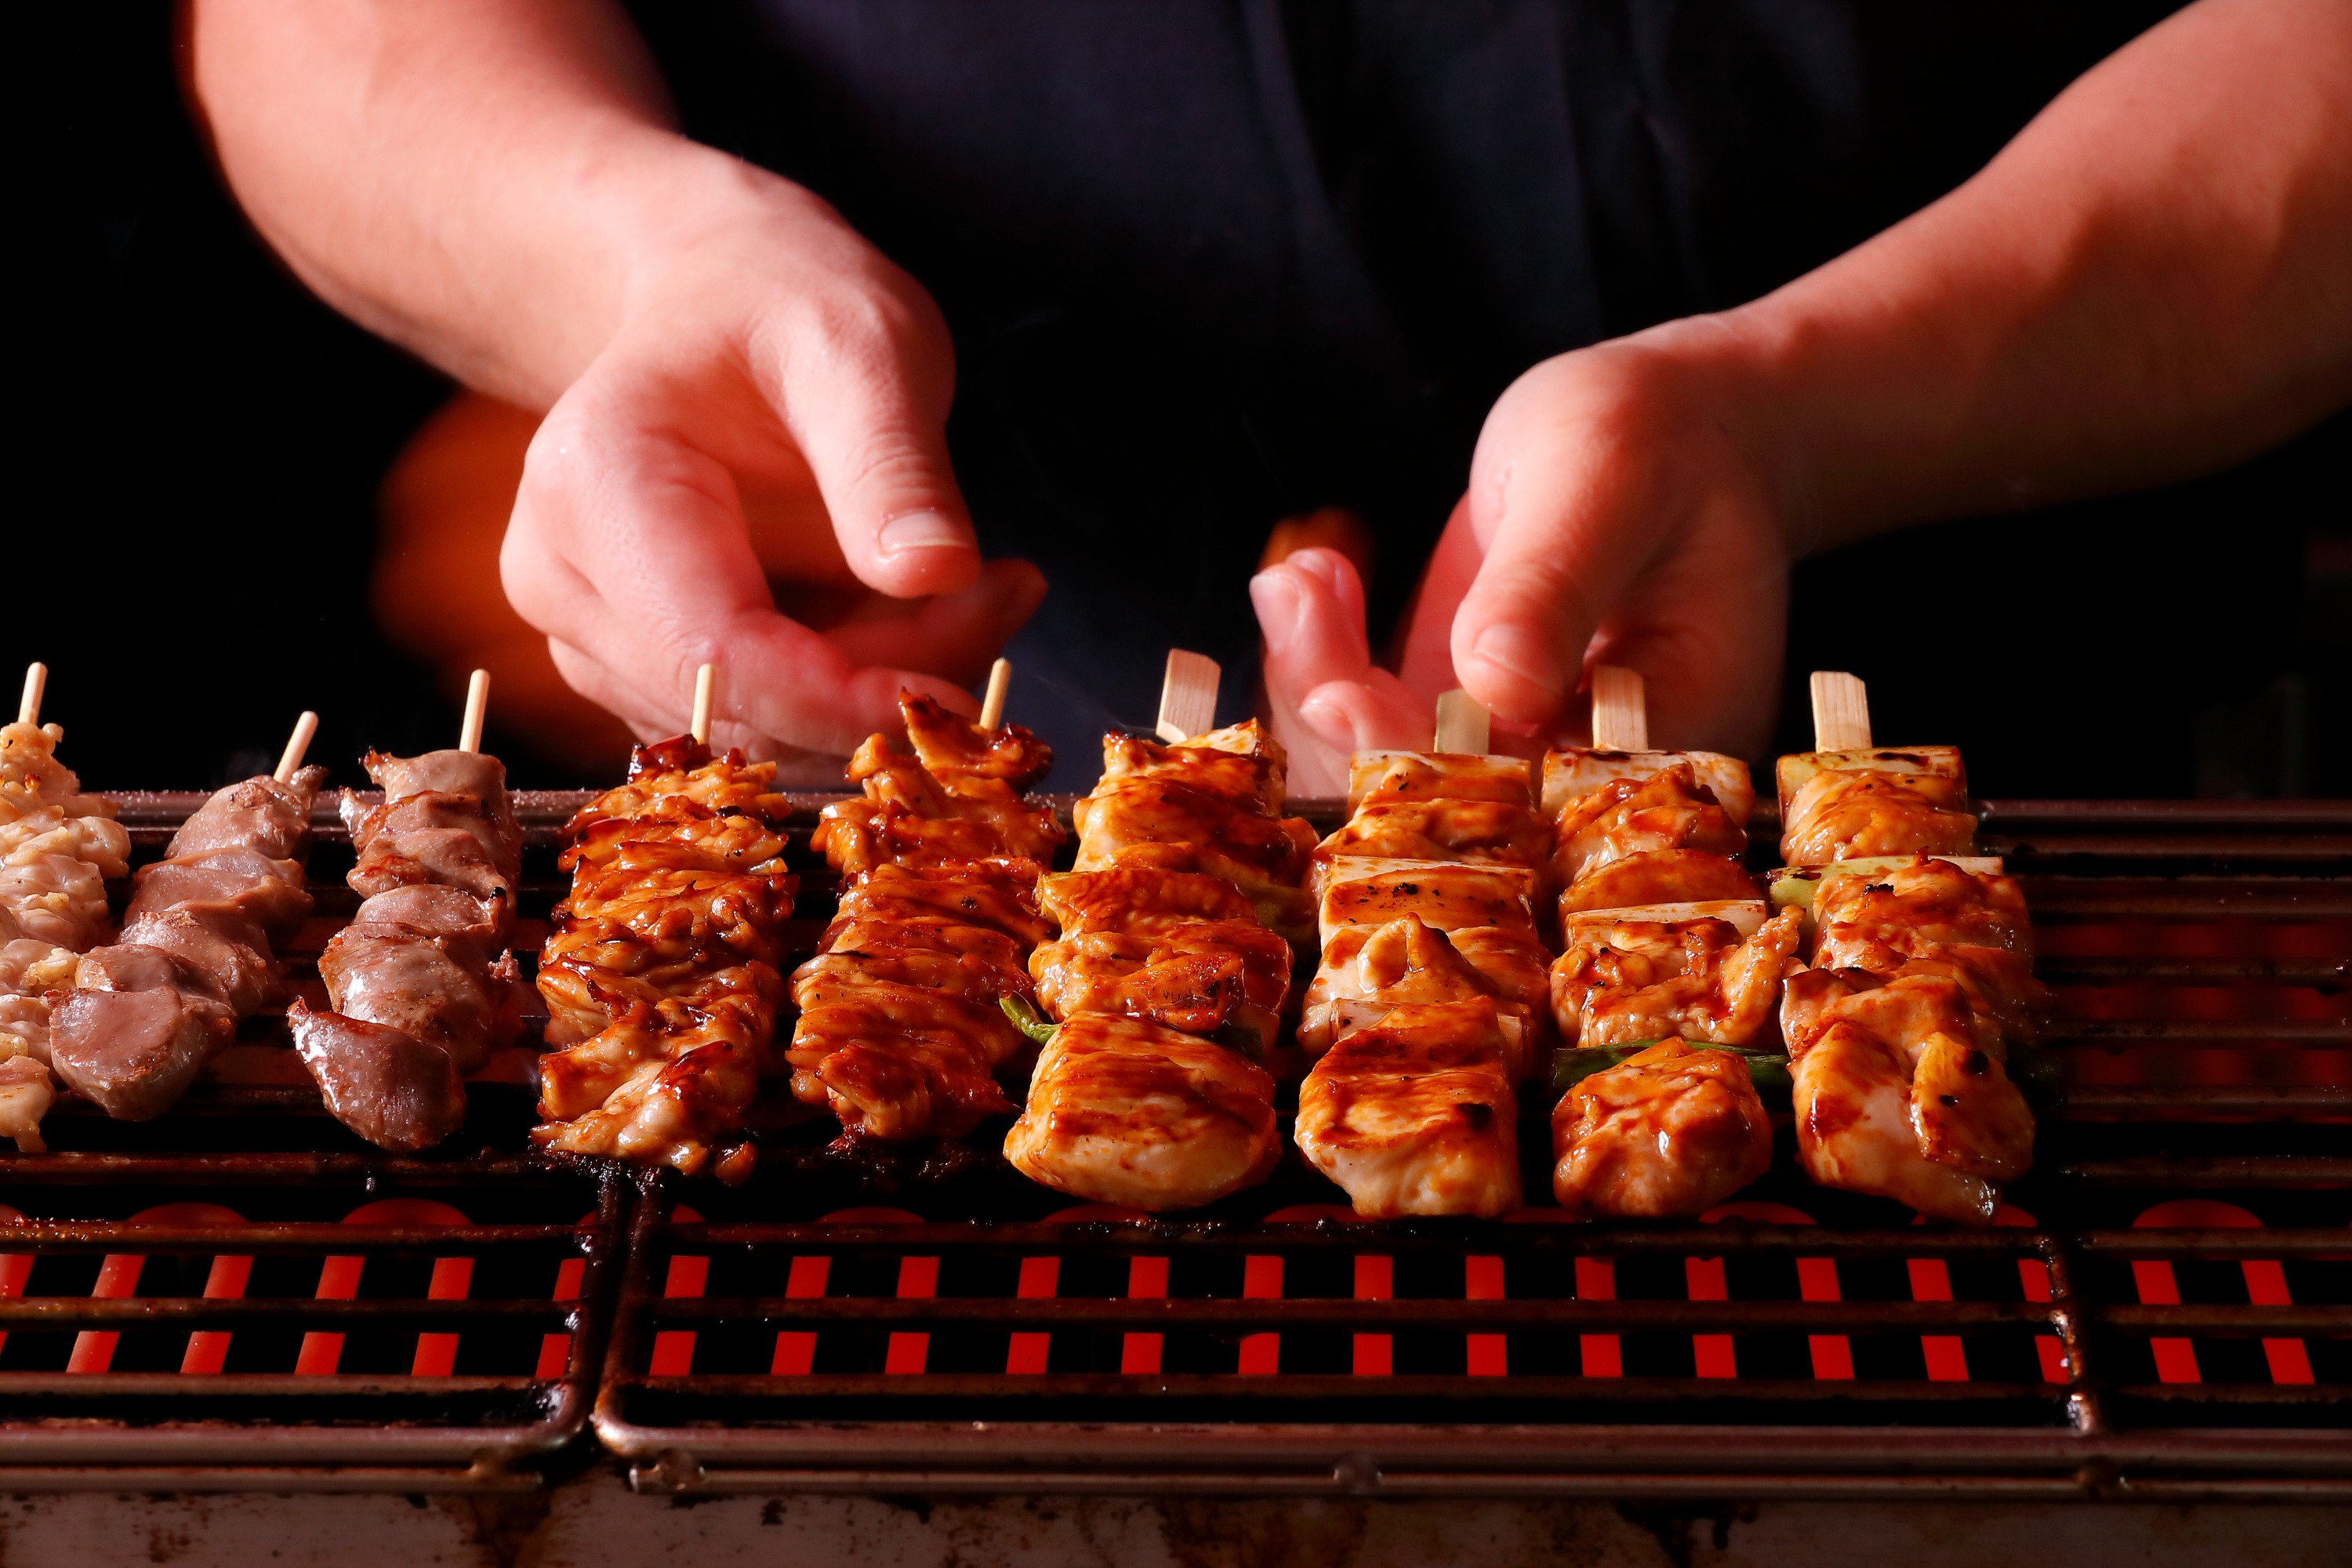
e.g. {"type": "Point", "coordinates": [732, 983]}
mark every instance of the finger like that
{"type": "Point", "coordinates": [1328, 697]}
{"type": "Point", "coordinates": [627, 545]}
{"type": "Point", "coordinates": [952, 635]}
{"type": "Point", "coordinates": [1425, 662]}
{"type": "Point", "coordinates": [865, 395]}
{"type": "Point", "coordinates": [1568, 502]}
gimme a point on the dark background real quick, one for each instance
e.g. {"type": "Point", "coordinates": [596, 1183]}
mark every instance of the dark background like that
{"type": "Point", "coordinates": [199, 443]}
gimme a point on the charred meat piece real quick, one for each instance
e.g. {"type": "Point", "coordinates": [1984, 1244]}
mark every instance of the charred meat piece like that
{"type": "Point", "coordinates": [1973, 925]}
{"type": "Point", "coordinates": [1184, 949]}
{"type": "Point", "coordinates": [1123, 1110]}
{"type": "Point", "coordinates": [1377, 779]}
{"type": "Point", "coordinates": [1504, 832]}
{"type": "Point", "coordinates": [1416, 1114]}
{"type": "Point", "coordinates": [957, 800]}
{"type": "Point", "coordinates": [1659, 877]}
{"type": "Point", "coordinates": [391, 1088]}
{"type": "Point", "coordinates": [1845, 814]}
{"type": "Point", "coordinates": [1694, 980]}
{"type": "Point", "coordinates": [1667, 1134]}
{"type": "Point", "coordinates": [1669, 810]}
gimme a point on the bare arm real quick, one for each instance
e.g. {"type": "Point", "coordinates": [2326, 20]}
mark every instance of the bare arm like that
{"type": "Point", "coordinates": [2153, 279]}
{"type": "Point", "coordinates": [496, 184]}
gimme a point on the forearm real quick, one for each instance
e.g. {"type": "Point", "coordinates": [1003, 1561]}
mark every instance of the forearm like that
{"type": "Point", "coordinates": [2149, 282]}
{"type": "Point", "coordinates": [473, 178]}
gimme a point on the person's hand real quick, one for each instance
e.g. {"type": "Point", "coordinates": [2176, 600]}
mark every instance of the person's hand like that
{"type": "Point", "coordinates": [1326, 696]}
{"type": "Point", "coordinates": [767, 360]}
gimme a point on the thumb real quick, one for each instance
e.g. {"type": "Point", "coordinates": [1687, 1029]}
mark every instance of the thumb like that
{"type": "Point", "coordinates": [868, 406]}
{"type": "Point", "coordinates": [1565, 503]}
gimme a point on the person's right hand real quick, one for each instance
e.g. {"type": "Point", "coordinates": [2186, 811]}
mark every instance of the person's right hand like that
{"type": "Point", "coordinates": [766, 359]}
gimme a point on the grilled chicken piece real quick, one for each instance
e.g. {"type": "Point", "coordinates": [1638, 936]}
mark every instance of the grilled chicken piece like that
{"type": "Point", "coordinates": [1669, 810]}
{"type": "Point", "coordinates": [1416, 1115]}
{"type": "Point", "coordinates": [680, 770]}
{"type": "Point", "coordinates": [1387, 778]}
{"type": "Point", "coordinates": [1666, 1133]}
{"type": "Point", "coordinates": [1123, 1110]}
{"type": "Point", "coordinates": [25, 1096]}
{"type": "Point", "coordinates": [677, 1108]}
{"type": "Point", "coordinates": [1659, 877]}
{"type": "Point", "coordinates": [391, 1088]}
{"type": "Point", "coordinates": [1572, 773]}
{"type": "Point", "coordinates": [958, 799]}
{"type": "Point", "coordinates": [1694, 980]}
{"type": "Point", "coordinates": [677, 833]}
{"type": "Point", "coordinates": [254, 888]}
{"type": "Point", "coordinates": [1440, 894]}
{"type": "Point", "coordinates": [259, 817]}
{"type": "Point", "coordinates": [1840, 813]}
{"type": "Point", "coordinates": [32, 779]}
{"type": "Point", "coordinates": [1901, 1089]}
{"type": "Point", "coordinates": [53, 871]}
{"type": "Point", "coordinates": [1241, 763]}
{"type": "Point", "coordinates": [1183, 949]}
{"type": "Point", "coordinates": [1501, 832]}
{"type": "Point", "coordinates": [28, 970]}
{"type": "Point", "coordinates": [1972, 924]}
{"type": "Point", "coordinates": [1368, 970]}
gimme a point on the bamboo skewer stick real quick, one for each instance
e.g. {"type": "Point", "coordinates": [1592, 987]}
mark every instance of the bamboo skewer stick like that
{"type": "Point", "coordinates": [298, 743]}
{"type": "Point", "coordinates": [477, 700]}
{"type": "Point", "coordinates": [1188, 697]}
{"type": "Point", "coordinates": [992, 705]}
{"type": "Point", "coordinates": [1463, 725]}
{"type": "Point", "coordinates": [36, 682]}
{"type": "Point", "coordinates": [1840, 712]}
{"type": "Point", "coordinates": [706, 685]}
{"type": "Point", "coordinates": [1621, 713]}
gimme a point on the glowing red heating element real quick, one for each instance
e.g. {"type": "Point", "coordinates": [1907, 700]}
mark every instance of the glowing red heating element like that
{"type": "Point", "coordinates": [2176, 1359]}
{"type": "Point", "coordinates": [339, 1280]}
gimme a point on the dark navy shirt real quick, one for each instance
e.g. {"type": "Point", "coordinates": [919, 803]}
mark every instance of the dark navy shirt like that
{"type": "Point", "coordinates": [1209, 263]}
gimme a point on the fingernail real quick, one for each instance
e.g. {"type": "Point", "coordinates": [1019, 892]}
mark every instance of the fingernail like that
{"type": "Point", "coordinates": [919, 530]}
{"type": "Point", "coordinates": [1278, 605]}
{"type": "Point", "coordinates": [1521, 652]}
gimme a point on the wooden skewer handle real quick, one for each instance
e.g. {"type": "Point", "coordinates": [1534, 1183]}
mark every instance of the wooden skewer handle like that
{"type": "Point", "coordinates": [1840, 712]}
{"type": "Point", "coordinates": [1621, 713]}
{"type": "Point", "coordinates": [36, 682]}
{"type": "Point", "coordinates": [297, 743]}
{"type": "Point", "coordinates": [1188, 697]}
{"type": "Point", "coordinates": [1463, 725]}
{"type": "Point", "coordinates": [706, 685]}
{"type": "Point", "coordinates": [478, 703]}
{"type": "Point", "coordinates": [992, 705]}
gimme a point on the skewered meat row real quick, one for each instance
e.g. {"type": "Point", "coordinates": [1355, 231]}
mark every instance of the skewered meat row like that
{"type": "Point", "coordinates": [901, 1027]}
{"type": "Point", "coordinates": [57, 847]}
{"type": "Point", "coordinates": [420, 985]}
{"type": "Point", "coordinates": [1428, 1006]}
{"type": "Point", "coordinates": [662, 972]}
{"type": "Point", "coordinates": [1666, 983]}
{"type": "Point", "coordinates": [1174, 958]}
{"type": "Point", "coordinates": [1923, 981]}
{"type": "Point", "coordinates": [194, 954]}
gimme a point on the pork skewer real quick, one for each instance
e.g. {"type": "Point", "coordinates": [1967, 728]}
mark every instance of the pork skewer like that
{"type": "Point", "coordinates": [900, 1032]}
{"type": "Point", "coordinates": [1167, 975]}
{"type": "Point", "coordinates": [1428, 1008]}
{"type": "Point", "coordinates": [1923, 982]}
{"type": "Point", "coordinates": [661, 973]}
{"type": "Point", "coordinates": [1666, 988]}
{"type": "Point", "coordinates": [57, 847]}
{"type": "Point", "coordinates": [420, 986]}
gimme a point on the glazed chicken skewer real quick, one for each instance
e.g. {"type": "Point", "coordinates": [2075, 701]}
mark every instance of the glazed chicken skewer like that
{"type": "Point", "coordinates": [420, 986]}
{"type": "Point", "coordinates": [1921, 980]}
{"type": "Point", "coordinates": [57, 847]}
{"type": "Point", "coordinates": [1170, 968]}
{"type": "Point", "coordinates": [900, 1032]}
{"type": "Point", "coordinates": [1428, 1006]}
{"type": "Point", "coordinates": [661, 975]}
{"type": "Point", "coordinates": [195, 955]}
{"type": "Point", "coordinates": [1664, 989]}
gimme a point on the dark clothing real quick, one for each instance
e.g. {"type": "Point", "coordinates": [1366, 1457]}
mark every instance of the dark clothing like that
{"type": "Point", "coordinates": [1209, 264]}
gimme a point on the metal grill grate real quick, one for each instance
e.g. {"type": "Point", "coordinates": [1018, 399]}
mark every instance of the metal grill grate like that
{"type": "Point", "coordinates": [2165, 1308]}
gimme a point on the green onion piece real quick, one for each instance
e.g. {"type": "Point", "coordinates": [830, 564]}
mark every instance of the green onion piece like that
{"type": "Point", "coordinates": [1235, 1036]}
{"type": "Point", "coordinates": [1766, 1069]}
{"type": "Point", "coordinates": [1027, 1019]}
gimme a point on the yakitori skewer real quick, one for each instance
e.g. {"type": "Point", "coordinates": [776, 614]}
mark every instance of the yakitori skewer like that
{"type": "Point", "coordinates": [57, 847]}
{"type": "Point", "coordinates": [1922, 982]}
{"type": "Point", "coordinates": [901, 1032]}
{"type": "Point", "coordinates": [992, 703]}
{"type": "Point", "coordinates": [1428, 1008]}
{"type": "Point", "coordinates": [661, 973]}
{"type": "Point", "coordinates": [1168, 975]}
{"type": "Point", "coordinates": [195, 954]}
{"type": "Point", "coordinates": [421, 986]}
{"type": "Point", "coordinates": [1669, 972]}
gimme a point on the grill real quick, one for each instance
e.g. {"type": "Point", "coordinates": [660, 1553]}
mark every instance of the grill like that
{"type": "Point", "coordinates": [2164, 1310]}
{"type": "Point", "coordinates": [239, 1294]}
